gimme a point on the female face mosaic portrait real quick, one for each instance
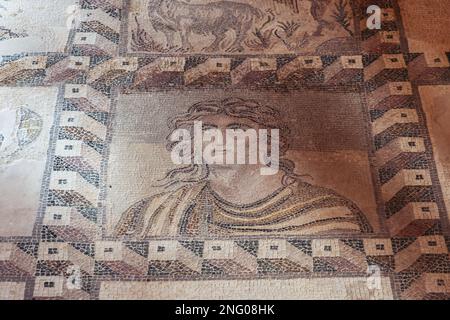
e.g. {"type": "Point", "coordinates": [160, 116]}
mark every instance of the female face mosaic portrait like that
{"type": "Point", "coordinates": [224, 149]}
{"type": "Point", "coordinates": [221, 199]}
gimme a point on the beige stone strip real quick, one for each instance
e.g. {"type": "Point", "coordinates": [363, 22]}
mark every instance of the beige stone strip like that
{"type": "Point", "coordinates": [311, 289]}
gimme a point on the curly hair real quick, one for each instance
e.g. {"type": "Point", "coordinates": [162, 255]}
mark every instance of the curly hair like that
{"type": "Point", "coordinates": [233, 107]}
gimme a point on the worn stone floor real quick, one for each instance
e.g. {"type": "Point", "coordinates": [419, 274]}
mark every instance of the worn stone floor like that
{"type": "Point", "coordinates": [93, 207]}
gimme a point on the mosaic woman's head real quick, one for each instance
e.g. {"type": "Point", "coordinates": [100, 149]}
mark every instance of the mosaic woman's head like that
{"type": "Point", "coordinates": [231, 113]}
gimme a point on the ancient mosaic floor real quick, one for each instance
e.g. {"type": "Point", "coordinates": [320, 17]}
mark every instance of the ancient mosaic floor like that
{"type": "Point", "coordinates": [91, 206]}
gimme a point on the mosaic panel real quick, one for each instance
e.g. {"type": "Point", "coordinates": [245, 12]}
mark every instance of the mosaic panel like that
{"type": "Point", "coordinates": [250, 26]}
{"type": "Point", "coordinates": [92, 206]}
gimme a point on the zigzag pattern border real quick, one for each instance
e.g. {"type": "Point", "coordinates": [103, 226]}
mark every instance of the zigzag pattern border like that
{"type": "Point", "coordinates": [409, 187]}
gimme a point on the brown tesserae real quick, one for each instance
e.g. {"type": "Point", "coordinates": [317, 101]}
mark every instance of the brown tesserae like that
{"type": "Point", "coordinates": [94, 206]}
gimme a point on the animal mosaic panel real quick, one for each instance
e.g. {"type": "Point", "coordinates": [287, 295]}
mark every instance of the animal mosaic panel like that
{"type": "Point", "coordinates": [96, 97]}
{"type": "Point", "coordinates": [249, 26]}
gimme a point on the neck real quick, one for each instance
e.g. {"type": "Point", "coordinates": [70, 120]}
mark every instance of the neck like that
{"type": "Point", "coordinates": [244, 185]}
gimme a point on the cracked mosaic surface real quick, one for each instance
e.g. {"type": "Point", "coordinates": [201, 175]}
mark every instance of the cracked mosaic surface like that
{"type": "Point", "coordinates": [91, 206]}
